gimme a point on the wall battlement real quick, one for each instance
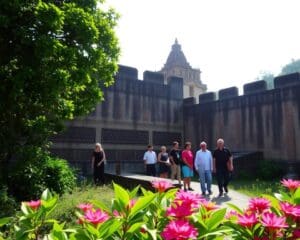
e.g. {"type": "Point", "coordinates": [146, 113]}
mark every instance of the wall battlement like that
{"type": "Point", "coordinates": [152, 85]}
{"type": "Point", "coordinates": [260, 120]}
{"type": "Point", "coordinates": [257, 89]}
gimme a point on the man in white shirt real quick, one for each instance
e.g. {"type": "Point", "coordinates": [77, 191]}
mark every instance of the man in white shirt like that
{"type": "Point", "coordinates": [150, 160]}
{"type": "Point", "coordinates": [204, 166]}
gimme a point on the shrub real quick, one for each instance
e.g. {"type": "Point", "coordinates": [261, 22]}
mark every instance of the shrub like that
{"type": "Point", "coordinates": [39, 171]}
{"type": "Point", "coordinates": [269, 169]}
{"type": "Point", "coordinates": [8, 203]}
{"type": "Point", "coordinates": [168, 214]}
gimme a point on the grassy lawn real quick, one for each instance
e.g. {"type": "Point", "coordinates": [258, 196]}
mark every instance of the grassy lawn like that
{"type": "Point", "coordinates": [255, 187]}
{"type": "Point", "coordinates": [67, 203]}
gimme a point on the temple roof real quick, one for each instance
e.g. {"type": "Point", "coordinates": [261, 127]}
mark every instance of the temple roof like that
{"type": "Point", "coordinates": [176, 57]}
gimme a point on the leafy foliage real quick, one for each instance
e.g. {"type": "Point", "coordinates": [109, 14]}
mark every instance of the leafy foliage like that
{"type": "Point", "coordinates": [151, 216]}
{"type": "Point", "coordinates": [55, 56]}
{"type": "Point", "coordinates": [38, 171]}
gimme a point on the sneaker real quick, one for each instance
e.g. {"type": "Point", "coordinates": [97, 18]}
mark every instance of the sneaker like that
{"type": "Point", "coordinates": [203, 193]}
{"type": "Point", "coordinates": [190, 189]}
{"type": "Point", "coordinates": [226, 189]}
{"type": "Point", "coordinates": [210, 192]}
{"type": "Point", "coordinates": [220, 194]}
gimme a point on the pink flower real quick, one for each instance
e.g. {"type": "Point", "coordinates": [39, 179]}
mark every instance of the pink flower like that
{"type": "Point", "coordinates": [95, 217]}
{"type": "Point", "coordinates": [180, 209]}
{"type": "Point", "coordinates": [272, 221]}
{"type": "Point", "coordinates": [289, 209]}
{"type": "Point", "coordinates": [209, 206]}
{"type": "Point", "coordinates": [296, 234]}
{"type": "Point", "coordinates": [85, 206]}
{"type": "Point", "coordinates": [179, 230]}
{"type": "Point", "coordinates": [247, 220]}
{"type": "Point", "coordinates": [231, 214]}
{"type": "Point", "coordinates": [259, 204]}
{"type": "Point", "coordinates": [189, 198]}
{"type": "Point", "coordinates": [131, 203]}
{"type": "Point", "coordinates": [161, 185]}
{"type": "Point", "coordinates": [34, 205]}
{"type": "Point", "coordinates": [292, 185]}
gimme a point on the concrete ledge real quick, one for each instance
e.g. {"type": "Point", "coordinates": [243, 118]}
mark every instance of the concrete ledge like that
{"type": "Point", "coordinates": [228, 93]}
{"type": "Point", "coordinates": [189, 101]}
{"type": "Point", "coordinates": [287, 80]}
{"type": "Point", "coordinates": [207, 97]}
{"type": "Point", "coordinates": [130, 180]}
{"type": "Point", "coordinates": [154, 77]}
{"type": "Point", "coordinates": [127, 72]}
{"type": "Point", "coordinates": [255, 87]}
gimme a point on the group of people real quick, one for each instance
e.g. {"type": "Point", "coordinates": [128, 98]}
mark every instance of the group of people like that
{"type": "Point", "coordinates": [182, 163]}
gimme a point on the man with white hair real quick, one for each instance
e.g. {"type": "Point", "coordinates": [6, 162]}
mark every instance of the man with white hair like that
{"type": "Point", "coordinates": [222, 163]}
{"type": "Point", "coordinates": [204, 166]}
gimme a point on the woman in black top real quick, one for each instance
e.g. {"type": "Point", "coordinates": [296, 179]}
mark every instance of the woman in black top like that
{"type": "Point", "coordinates": [163, 161]}
{"type": "Point", "coordinates": [98, 159]}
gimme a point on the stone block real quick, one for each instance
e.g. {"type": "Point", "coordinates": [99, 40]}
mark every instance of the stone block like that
{"type": "Point", "coordinates": [287, 80]}
{"type": "Point", "coordinates": [122, 136]}
{"type": "Point", "coordinates": [166, 138]}
{"type": "Point", "coordinates": [255, 87]}
{"type": "Point", "coordinates": [176, 87]}
{"type": "Point", "coordinates": [228, 93]}
{"type": "Point", "coordinates": [154, 77]}
{"type": "Point", "coordinates": [207, 97]}
{"type": "Point", "coordinates": [189, 101]}
{"type": "Point", "coordinates": [126, 72]}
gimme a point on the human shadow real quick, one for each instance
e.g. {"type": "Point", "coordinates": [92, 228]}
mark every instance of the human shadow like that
{"type": "Point", "coordinates": [220, 200]}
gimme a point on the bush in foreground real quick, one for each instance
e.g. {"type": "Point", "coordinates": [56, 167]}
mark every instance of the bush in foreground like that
{"type": "Point", "coordinates": [39, 171]}
{"type": "Point", "coordinates": [168, 214]}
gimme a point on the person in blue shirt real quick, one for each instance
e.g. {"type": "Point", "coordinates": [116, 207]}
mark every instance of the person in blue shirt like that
{"type": "Point", "coordinates": [204, 166]}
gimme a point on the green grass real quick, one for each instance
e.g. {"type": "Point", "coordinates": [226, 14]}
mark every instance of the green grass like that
{"type": "Point", "coordinates": [66, 207]}
{"type": "Point", "coordinates": [255, 187]}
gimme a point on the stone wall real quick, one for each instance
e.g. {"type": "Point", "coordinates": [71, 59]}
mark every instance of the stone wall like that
{"type": "Point", "coordinates": [133, 114]}
{"type": "Point", "coordinates": [260, 120]}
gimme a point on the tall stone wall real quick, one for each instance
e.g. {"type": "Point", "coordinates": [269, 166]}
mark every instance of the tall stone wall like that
{"type": "Point", "coordinates": [133, 114]}
{"type": "Point", "coordinates": [260, 120]}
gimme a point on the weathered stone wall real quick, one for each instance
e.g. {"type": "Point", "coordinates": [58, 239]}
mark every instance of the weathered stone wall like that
{"type": "Point", "coordinates": [134, 114]}
{"type": "Point", "coordinates": [260, 120]}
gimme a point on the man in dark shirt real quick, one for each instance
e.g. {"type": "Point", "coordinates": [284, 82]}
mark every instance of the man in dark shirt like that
{"type": "Point", "coordinates": [222, 166]}
{"type": "Point", "coordinates": [175, 162]}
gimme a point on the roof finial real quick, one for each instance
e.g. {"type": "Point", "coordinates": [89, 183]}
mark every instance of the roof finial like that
{"type": "Point", "coordinates": [176, 41]}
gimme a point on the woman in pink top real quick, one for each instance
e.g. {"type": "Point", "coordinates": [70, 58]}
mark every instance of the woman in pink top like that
{"type": "Point", "coordinates": [187, 166]}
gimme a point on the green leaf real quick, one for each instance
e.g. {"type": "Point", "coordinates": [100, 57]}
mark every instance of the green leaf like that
{"type": "Point", "coordinates": [141, 203]}
{"type": "Point", "coordinates": [91, 229]}
{"type": "Point", "coordinates": [109, 227]}
{"type": "Point", "coordinates": [134, 191]}
{"type": "Point", "coordinates": [274, 201]}
{"type": "Point", "coordinates": [236, 208]}
{"type": "Point", "coordinates": [100, 205]}
{"type": "Point", "coordinates": [216, 218]}
{"type": "Point", "coordinates": [25, 209]}
{"type": "Point", "coordinates": [4, 221]}
{"type": "Point", "coordinates": [121, 194]}
{"type": "Point", "coordinates": [135, 227]}
{"type": "Point", "coordinates": [296, 196]}
{"type": "Point", "coordinates": [46, 195]}
{"type": "Point", "coordinates": [282, 196]}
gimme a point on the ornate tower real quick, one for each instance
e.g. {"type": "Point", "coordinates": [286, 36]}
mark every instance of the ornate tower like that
{"type": "Point", "coordinates": [178, 66]}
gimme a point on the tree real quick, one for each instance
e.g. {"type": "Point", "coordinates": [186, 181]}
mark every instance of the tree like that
{"type": "Point", "coordinates": [268, 77]}
{"type": "Point", "coordinates": [55, 56]}
{"type": "Point", "coordinates": [293, 66]}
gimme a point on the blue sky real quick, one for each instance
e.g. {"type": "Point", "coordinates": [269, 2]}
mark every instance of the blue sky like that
{"type": "Point", "coordinates": [231, 41]}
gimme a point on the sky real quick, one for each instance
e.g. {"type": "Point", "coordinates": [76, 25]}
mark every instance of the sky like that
{"type": "Point", "coordinates": [231, 41]}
